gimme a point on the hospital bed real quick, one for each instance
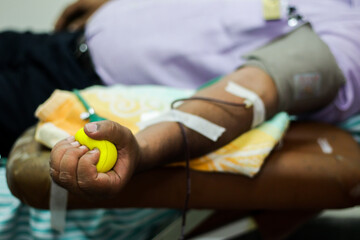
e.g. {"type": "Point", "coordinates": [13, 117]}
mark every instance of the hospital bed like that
{"type": "Point", "coordinates": [299, 179]}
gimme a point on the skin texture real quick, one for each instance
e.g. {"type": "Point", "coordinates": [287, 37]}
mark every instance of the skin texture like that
{"type": "Point", "coordinates": [292, 181]}
{"type": "Point", "coordinates": [296, 182]}
{"type": "Point", "coordinates": [73, 166]}
{"type": "Point", "coordinates": [108, 152]}
{"type": "Point", "coordinates": [295, 176]}
{"type": "Point", "coordinates": [319, 183]}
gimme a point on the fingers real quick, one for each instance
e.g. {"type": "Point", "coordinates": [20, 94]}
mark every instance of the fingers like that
{"type": "Point", "coordinates": [109, 130]}
{"type": "Point", "coordinates": [86, 171]}
{"type": "Point", "coordinates": [92, 182]}
{"type": "Point", "coordinates": [57, 154]}
{"type": "Point", "coordinates": [69, 165]}
{"type": "Point", "coordinates": [74, 167]}
{"type": "Point", "coordinates": [64, 162]}
{"type": "Point", "coordinates": [127, 148]}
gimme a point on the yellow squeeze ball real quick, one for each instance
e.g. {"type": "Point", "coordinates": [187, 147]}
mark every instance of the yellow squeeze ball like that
{"type": "Point", "coordinates": [108, 153]}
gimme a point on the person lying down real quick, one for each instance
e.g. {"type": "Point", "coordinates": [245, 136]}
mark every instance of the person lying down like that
{"type": "Point", "coordinates": [146, 118]}
{"type": "Point", "coordinates": [253, 154]}
{"type": "Point", "coordinates": [305, 81]}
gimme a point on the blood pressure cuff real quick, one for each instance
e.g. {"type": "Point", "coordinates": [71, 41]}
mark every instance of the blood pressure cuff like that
{"type": "Point", "coordinates": [304, 70]}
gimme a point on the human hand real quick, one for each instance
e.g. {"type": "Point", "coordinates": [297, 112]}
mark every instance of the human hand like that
{"type": "Point", "coordinates": [73, 166]}
{"type": "Point", "coordinates": [75, 16]}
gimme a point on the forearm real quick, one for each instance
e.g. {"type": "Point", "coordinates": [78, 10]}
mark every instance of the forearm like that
{"type": "Point", "coordinates": [74, 167]}
{"type": "Point", "coordinates": [163, 142]}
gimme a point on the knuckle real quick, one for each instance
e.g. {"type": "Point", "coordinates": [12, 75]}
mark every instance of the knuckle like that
{"type": "Point", "coordinates": [53, 172]}
{"type": "Point", "coordinates": [65, 177]}
{"type": "Point", "coordinates": [113, 127]}
{"type": "Point", "coordinates": [85, 185]}
{"type": "Point", "coordinates": [72, 152]}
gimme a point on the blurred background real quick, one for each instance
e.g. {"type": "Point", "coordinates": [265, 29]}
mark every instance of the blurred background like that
{"type": "Point", "coordinates": [41, 15]}
{"type": "Point", "coordinates": [35, 15]}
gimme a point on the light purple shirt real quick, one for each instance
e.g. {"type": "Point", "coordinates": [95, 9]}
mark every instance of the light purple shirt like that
{"type": "Point", "coordinates": [185, 43]}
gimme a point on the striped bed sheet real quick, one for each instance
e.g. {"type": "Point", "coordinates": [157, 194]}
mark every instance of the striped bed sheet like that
{"type": "Point", "coordinates": [19, 221]}
{"type": "Point", "coordinates": [352, 125]}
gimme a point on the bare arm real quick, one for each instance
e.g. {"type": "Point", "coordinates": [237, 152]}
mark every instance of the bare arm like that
{"type": "Point", "coordinates": [168, 143]}
{"type": "Point", "coordinates": [73, 166]}
{"type": "Point", "coordinates": [297, 177]}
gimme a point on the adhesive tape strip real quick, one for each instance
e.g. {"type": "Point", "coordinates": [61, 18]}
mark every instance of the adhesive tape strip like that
{"type": "Point", "coordinates": [196, 123]}
{"type": "Point", "coordinates": [58, 204]}
{"type": "Point", "coordinates": [252, 98]}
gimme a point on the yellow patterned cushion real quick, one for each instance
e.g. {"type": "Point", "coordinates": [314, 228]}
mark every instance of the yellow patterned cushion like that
{"type": "Point", "coordinates": [128, 105]}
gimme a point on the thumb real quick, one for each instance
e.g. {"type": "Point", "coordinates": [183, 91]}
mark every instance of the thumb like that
{"type": "Point", "coordinates": [129, 155]}
{"type": "Point", "coordinates": [109, 130]}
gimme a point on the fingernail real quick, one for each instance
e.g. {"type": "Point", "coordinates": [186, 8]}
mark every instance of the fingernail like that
{"type": "Point", "coordinates": [91, 127]}
{"type": "Point", "coordinates": [83, 147]}
{"type": "Point", "coordinates": [95, 150]}
{"type": "Point", "coordinates": [71, 139]}
{"type": "Point", "coordinates": [75, 144]}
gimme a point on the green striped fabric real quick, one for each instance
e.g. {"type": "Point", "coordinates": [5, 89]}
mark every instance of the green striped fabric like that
{"type": "Point", "coordinates": [19, 221]}
{"type": "Point", "coordinates": [352, 125]}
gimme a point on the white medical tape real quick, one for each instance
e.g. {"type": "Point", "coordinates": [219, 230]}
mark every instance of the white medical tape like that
{"type": "Point", "coordinates": [251, 99]}
{"type": "Point", "coordinates": [58, 204]}
{"type": "Point", "coordinates": [196, 123]}
{"type": "Point", "coordinates": [325, 145]}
